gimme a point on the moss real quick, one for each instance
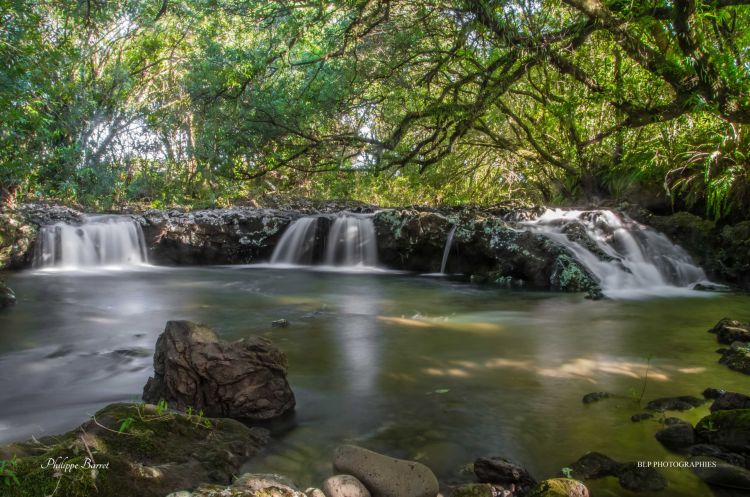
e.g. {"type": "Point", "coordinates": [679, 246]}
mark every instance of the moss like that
{"type": "Point", "coordinates": [729, 429]}
{"type": "Point", "coordinates": [559, 487]}
{"type": "Point", "coordinates": [157, 454]}
{"type": "Point", "coordinates": [474, 490]}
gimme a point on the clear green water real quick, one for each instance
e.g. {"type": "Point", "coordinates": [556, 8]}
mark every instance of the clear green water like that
{"type": "Point", "coordinates": [419, 368]}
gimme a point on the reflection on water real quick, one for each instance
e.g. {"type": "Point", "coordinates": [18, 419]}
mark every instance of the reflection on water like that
{"type": "Point", "coordinates": [420, 368]}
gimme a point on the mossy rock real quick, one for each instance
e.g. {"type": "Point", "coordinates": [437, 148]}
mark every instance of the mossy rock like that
{"type": "Point", "coordinates": [142, 451]}
{"type": "Point", "coordinates": [737, 357]}
{"type": "Point", "coordinates": [473, 490]}
{"type": "Point", "coordinates": [727, 429]}
{"type": "Point", "coordinates": [559, 487]}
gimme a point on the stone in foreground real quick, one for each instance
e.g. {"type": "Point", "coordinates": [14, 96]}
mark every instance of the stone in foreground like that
{"type": "Point", "coordinates": [719, 473]}
{"type": "Point", "coordinates": [344, 486]}
{"type": "Point", "coordinates": [560, 487]}
{"type": "Point", "coordinates": [152, 455]}
{"type": "Point", "coordinates": [385, 476]}
{"type": "Point", "coordinates": [248, 485]}
{"type": "Point", "coordinates": [729, 331]}
{"type": "Point", "coordinates": [242, 380]}
{"type": "Point", "coordinates": [502, 471]}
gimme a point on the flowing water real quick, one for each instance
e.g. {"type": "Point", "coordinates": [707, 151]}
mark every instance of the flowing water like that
{"type": "Point", "coordinates": [351, 242]}
{"type": "Point", "coordinates": [426, 369]}
{"type": "Point", "coordinates": [100, 241]}
{"type": "Point", "coordinates": [447, 249]}
{"type": "Point", "coordinates": [297, 244]}
{"type": "Point", "coordinates": [630, 260]}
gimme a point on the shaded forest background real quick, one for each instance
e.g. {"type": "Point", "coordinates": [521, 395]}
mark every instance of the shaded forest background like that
{"type": "Point", "coordinates": [207, 102]}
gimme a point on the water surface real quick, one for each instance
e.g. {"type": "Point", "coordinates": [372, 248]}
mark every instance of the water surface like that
{"type": "Point", "coordinates": [420, 368]}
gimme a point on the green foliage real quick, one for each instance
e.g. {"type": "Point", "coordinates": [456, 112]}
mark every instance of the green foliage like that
{"type": "Point", "coordinates": [8, 472]}
{"type": "Point", "coordinates": [212, 103]}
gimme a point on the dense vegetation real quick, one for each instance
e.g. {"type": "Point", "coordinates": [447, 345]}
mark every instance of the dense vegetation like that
{"type": "Point", "coordinates": [208, 102]}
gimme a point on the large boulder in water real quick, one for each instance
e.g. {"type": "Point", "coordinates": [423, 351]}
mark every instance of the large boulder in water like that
{"type": "Point", "coordinates": [244, 379]}
{"type": "Point", "coordinates": [729, 430]}
{"type": "Point", "coordinates": [385, 476]}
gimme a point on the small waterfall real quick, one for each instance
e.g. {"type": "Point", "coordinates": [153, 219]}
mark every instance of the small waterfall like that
{"type": "Point", "coordinates": [297, 244]}
{"type": "Point", "coordinates": [626, 257]}
{"type": "Point", "coordinates": [100, 241]}
{"type": "Point", "coordinates": [352, 242]}
{"type": "Point", "coordinates": [447, 249]}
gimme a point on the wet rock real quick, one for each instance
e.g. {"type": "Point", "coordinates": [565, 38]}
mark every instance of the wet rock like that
{"type": "Point", "coordinates": [244, 379]}
{"type": "Point", "coordinates": [730, 430]}
{"type": "Point", "coordinates": [277, 484]}
{"type": "Point", "coordinates": [385, 476]}
{"type": "Point", "coordinates": [314, 492]}
{"type": "Point", "coordinates": [713, 393]}
{"type": "Point", "coordinates": [594, 465]}
{"type": "Point", "coordinates": [636, 479]}
{"type": "Point", "coordinates": [682, 403]}
{"type": "Point", "coordinates": [729, 331]}
{"type": "Point", "coordinates": [344, 486]}
{"type": "Point", "coordinates": [251, 485]}
{"type": "Point", "coordinates": [559, 487]}
{"type": "Point", "coordinates": [677, 436]}
{"type": "Point", "coordinates": [641, 416]}
{"type": "Point", "coordinates": [719, 473]}
{"type": "Point", "coordinates": [737, 357]}
{"type": "Point", "coordinates": [280, 323]}
{"type": "Point", "coordinates": [594, 397]}
{"type": "Point", "coordinates": [670, 421]}
{"type": "Point", "coordinates": [154, 455]}
{"type": "Point", "coordinates": [502, 471]}
{"type": "Point", "coordinates": [729, 401]}
{"type": "Point", "coordinates": [7, 297]}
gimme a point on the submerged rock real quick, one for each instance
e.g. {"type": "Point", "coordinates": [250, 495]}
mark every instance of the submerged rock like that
{"type": "Point", "coordinates": [592, 397]}
{"type": "Point", "coordinates": [385, 476]}
{"type": "Point", "coordinates": [244, 379]}
{"type": "Point", "coordinates": [7, 297]}
{"type": "Point", "coordinates": [595, 465]}
{"type": "Point", "coordinates": [344, 486]}
{"type": "Point", "coordinates": [677, 436]}
{"type": "Point", "coordinates": [682, 403]}
{"type": "Point", "coordinates": [280, 323]}
{"type": "Point", "coordinates": [737, 357]}
{"type": "Point", "coordinates": [641, 416]}
{"type": "Point", "coordinates": [559, 487]}
{"type": "Point", "coordinates": [139, 452]}
{"type": "Point", "coordinates": [729, 331]}
{"type": "Point", "coordinates": [719, 473]}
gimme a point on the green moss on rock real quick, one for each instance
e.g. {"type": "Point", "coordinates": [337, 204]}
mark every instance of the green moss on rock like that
{"type": "Point", "coordinates": [728, 429]}
{"type": "Point", "coordinates": [560, 487]}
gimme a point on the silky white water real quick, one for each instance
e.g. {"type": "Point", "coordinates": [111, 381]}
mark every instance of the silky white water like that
{"type": "Point", "coordinates": [99, 241]}
{"type": "Point", "coordinates": [628, 258]}
{"type": "Point", "coordinates": [352, 242]}
{"type": "Point", "coordinates": [447, 249]}
{"type": "Point", "coordinates": [297, 244]}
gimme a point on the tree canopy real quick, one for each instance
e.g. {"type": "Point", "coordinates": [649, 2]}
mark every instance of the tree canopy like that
{"type": "Point", "coordinates": [208, 102]}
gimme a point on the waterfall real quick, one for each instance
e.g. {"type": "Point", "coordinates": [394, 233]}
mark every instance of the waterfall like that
{"type": "Point", "coordinates": [447, 249]}
{"type": "Point", "coordinates": [297, 244]}
{"type": "Point", "coordinates": [626, 257]}
{"type": "Point", "coordinates": [100, 241]}
{"type": "Point", "coordinates": [352, 242]}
